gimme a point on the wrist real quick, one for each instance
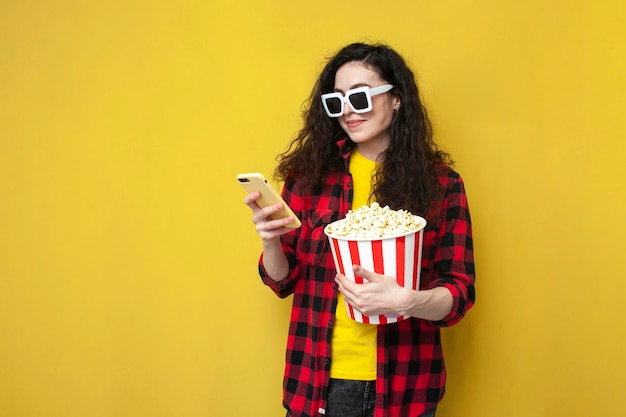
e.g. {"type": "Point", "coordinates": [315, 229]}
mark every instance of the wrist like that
{"type": "Point", "coordinates": [411, 301]}
{"type": "Point", "coordinates": [272, 243]}
{"type": "Point", "coordinates": [434, 304]}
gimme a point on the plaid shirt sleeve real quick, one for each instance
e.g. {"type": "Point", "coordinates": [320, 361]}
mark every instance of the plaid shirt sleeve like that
{"type": "Point", "coordinates": [289, 241]}
{"type": "Point", "coordinates": [454, 255]}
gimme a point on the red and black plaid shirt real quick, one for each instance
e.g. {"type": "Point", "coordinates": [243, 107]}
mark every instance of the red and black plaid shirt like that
{"type": "Point", "coordinates": [410, 368]}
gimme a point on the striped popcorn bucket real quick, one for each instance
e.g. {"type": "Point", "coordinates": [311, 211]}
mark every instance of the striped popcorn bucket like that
{"type": "Point", "coordinates": [398, 256]}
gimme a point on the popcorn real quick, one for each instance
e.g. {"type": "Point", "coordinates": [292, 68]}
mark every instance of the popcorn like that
{"type": "Point", "coordinates": [374, 222]}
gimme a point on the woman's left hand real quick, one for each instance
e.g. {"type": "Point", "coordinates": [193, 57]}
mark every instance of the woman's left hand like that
{"type": "Point", "coordinates": [379, 294]}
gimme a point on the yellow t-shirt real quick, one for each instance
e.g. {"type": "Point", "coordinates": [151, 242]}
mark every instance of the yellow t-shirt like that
{"type": "Point", "coordinates": [354, 343]}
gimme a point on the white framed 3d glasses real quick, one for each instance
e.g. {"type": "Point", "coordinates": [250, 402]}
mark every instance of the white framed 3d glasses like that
{"type": "Point", "coordinates": [360, 99]}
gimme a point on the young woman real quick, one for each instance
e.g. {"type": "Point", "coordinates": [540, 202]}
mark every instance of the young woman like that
{"type": "Point", "coordinates": [366, 138]}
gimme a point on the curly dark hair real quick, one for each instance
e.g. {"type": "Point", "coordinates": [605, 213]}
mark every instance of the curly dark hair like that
{"type": "Point", "coordinates": [407, 175]}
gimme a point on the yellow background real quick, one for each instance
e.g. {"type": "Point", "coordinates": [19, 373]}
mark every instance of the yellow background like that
{"type": "Point", "coordinates": [128, 282]}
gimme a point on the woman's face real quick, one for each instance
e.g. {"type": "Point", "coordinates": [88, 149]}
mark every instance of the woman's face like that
{"type": "Point", "coordinates": [371, 130]}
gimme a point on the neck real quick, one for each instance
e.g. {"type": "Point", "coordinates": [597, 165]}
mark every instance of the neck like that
{"type": "Point", "coordinates": [371, 151]}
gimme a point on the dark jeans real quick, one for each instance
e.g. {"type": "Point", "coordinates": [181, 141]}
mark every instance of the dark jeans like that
{"type": "Point", "coordinates": [351, 398]}
{"type": "Point", "coordinates": [354, 399]}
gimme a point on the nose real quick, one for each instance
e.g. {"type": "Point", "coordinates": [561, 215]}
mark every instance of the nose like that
{"type": "Point", "coordinates": [347, 108]}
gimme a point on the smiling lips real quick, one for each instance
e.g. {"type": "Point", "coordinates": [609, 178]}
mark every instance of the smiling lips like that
{"type": "Point", "coordinates": [354, 123]}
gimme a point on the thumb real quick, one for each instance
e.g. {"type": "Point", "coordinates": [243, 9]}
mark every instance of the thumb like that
{"type": "Point", "coordinates": [368, 275]}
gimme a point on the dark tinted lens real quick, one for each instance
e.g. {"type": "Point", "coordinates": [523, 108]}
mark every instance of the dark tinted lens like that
{"type": "Point", "coordinates": [358, 101]}
{"type": "Point", "coordinates": [334, 105]}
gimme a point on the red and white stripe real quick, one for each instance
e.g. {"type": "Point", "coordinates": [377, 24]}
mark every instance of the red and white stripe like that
{"type": "Point", "coordinates": [399, 257]}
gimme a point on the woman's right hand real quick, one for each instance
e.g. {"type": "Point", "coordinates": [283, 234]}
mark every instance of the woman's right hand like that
{"type": "Point", "coordinates": [274, 259]}
{"type": "Point", "coordinates": [267, 228]}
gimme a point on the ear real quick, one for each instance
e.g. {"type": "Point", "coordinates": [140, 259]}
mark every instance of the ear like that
{"type": "Point", "coordinates": [396, 101]}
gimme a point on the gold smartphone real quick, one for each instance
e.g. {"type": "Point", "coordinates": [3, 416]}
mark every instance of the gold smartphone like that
{"type": "Point", "coordinates": [255, 181]}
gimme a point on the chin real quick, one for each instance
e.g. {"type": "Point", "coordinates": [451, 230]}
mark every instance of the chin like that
{"type": "Point", "coordinates": [359, 137]}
